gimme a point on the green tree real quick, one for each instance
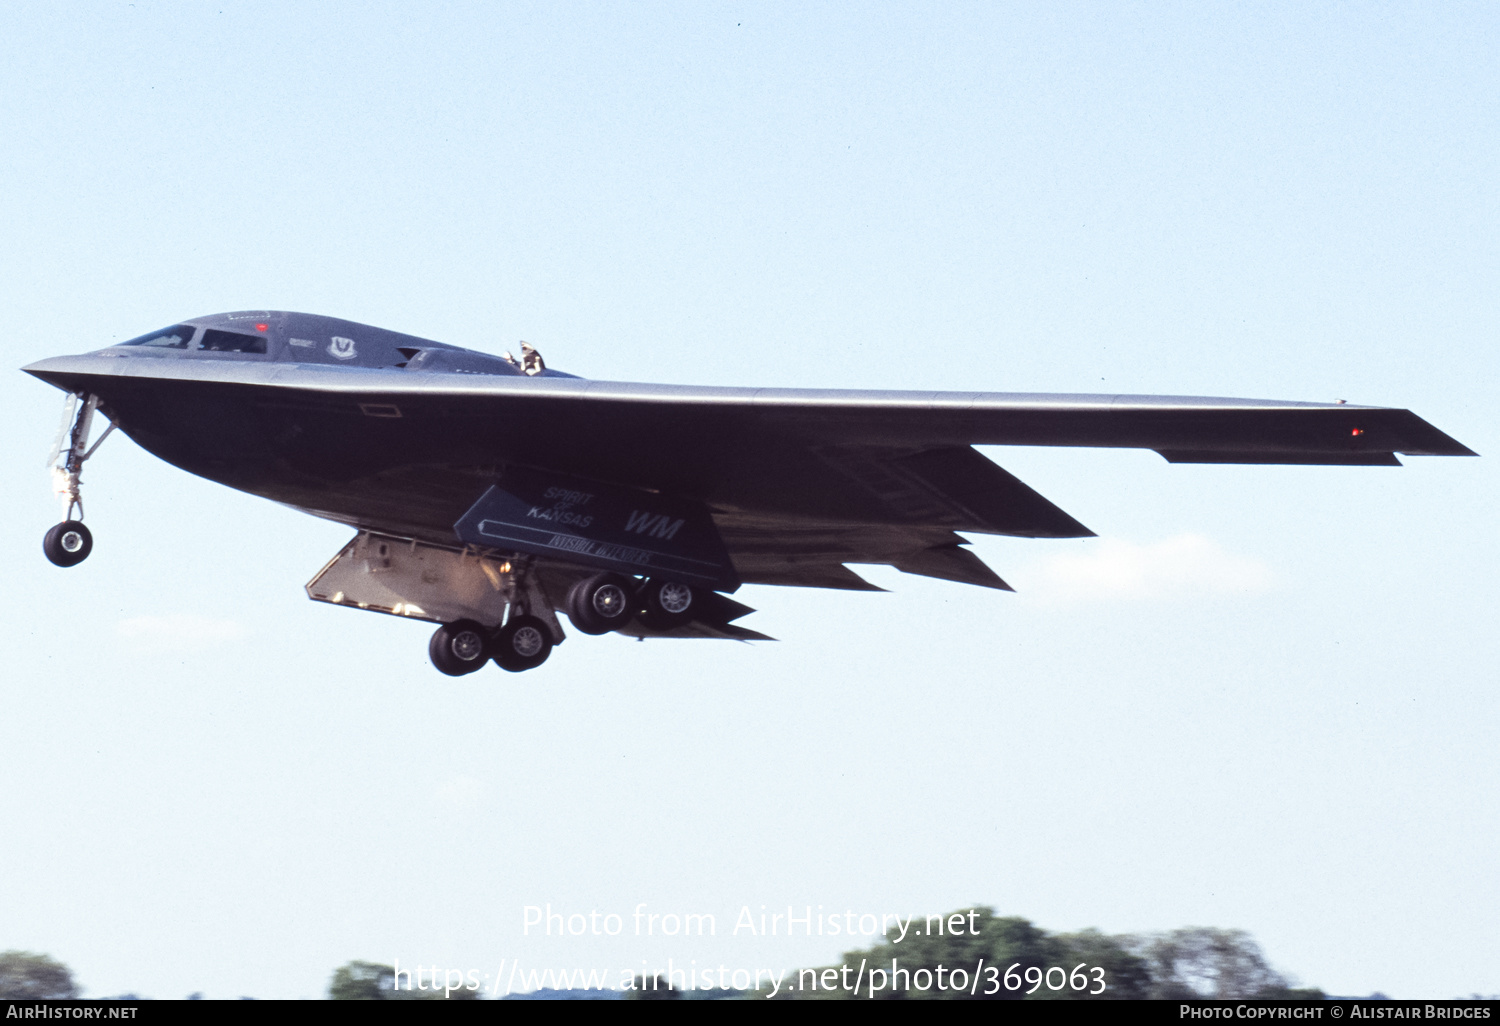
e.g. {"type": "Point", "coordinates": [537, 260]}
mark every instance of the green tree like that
{"type": "Point", "coordinates": [969, 940]}
{"type": "Point", "coordinates": [1189, 963]}
{"type": "Point", "coordinates": [27, 975]}
{"type": "Point", "coordinates": [1200, 961]}
{"type": "Point", "coordinates": [372, 981]}
{"type": "Point", "coordinates": [1126, 974]}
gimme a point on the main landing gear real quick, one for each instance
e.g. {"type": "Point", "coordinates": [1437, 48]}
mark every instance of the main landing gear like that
{"type": "Point", "coordinates": [600, 604]}
{"type": "Point", "coordinates": [459, 647]}
{"type": "Point", "coordinates": [596, 605]}
{"type": "Point", "coordinates": [464, 646]}
{"type": "Point", "coordinates": [665, 604]}
{"type": "Point", "coordinates": [607, 602]}
{"type": "Point", "coordinates": [69, 543]}
{"type": "Point", "coordinates": [523, 642]}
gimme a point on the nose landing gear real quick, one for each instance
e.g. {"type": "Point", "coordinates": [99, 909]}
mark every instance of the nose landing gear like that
{"type": "Point", "coordinates": [69, 543]}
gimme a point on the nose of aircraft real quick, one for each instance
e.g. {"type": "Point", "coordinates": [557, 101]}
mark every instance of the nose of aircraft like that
{"type": "Point", "coordinates": [70, 372]}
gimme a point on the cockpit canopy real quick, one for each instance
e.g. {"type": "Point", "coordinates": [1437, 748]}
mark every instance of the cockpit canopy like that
{"type": "Point", "coordinates": [326, 341]}
{"type": "Point", "coordinates": [214, 340]}
{"type": "Point", "coordinates": [176, 337]}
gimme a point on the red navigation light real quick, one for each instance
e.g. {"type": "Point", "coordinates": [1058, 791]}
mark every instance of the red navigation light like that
{"type": "Point", "coordinates": [262, 327]}
{"type": "Point", "coordinates": [1357, 432]}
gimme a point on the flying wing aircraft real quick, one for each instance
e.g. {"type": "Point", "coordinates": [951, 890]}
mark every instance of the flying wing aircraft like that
{"type": "Point", "coordinates": [488, 493]}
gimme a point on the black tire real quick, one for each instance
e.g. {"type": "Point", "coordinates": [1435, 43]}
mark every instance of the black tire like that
{"type": "Point", "coordinates": [459, 647]}
{"type": "Point", "coordinates": [666, 604]}
{"type": "Point", "coordinates": [68, 544]}
{"type": "Point", "coordinates": [600, 604]}
{"type": "Point", "coordinates": [522, 644]}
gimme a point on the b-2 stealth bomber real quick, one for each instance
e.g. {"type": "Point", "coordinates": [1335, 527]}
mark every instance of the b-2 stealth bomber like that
{"type": "Point", "coordinates": [488, 493]}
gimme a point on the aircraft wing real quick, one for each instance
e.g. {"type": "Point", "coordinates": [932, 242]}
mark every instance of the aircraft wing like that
{"type": "Point", "coordinates": [800, 481]}
{"type": "Point", "coordinates": [1181, 428]}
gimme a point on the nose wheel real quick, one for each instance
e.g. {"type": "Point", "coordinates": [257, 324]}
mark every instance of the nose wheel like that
{"type": "Point", "coordinates": [69, 543]}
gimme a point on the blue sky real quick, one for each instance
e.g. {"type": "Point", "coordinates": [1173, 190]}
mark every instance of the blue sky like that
{"type": "Point", "coordinates": [1264, 698]}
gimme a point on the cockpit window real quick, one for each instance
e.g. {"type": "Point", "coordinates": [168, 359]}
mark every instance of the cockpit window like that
{"type": "Point", "coordinates": [176, 337]}
{"type": "Point", "coordinates": [216, 341]}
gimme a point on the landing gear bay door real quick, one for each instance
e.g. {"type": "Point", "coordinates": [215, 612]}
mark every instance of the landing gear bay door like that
{"type": "Point", "coordinates": [590, 523]}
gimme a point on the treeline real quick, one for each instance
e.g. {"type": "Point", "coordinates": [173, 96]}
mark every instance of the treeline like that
{"type": "Point", "coordinates": [1009, 958]}
{"type": "Point", "coordinates": [964, 955]}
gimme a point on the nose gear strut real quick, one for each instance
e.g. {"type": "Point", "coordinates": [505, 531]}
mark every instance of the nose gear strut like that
{"type": "Point", "coordinates": [69, 543]}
